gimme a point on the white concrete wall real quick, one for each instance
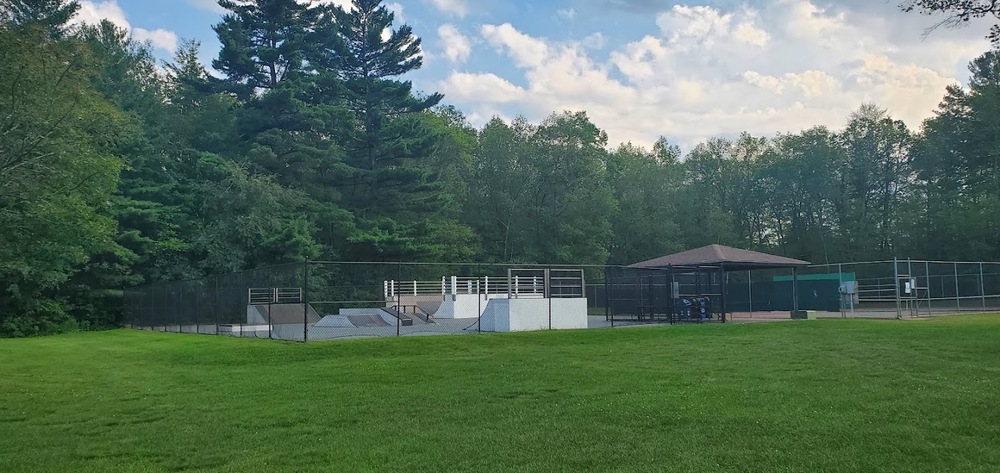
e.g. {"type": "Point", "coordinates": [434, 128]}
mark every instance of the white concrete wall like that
{"type": "Point", "coordinates": [521, 315]}
{"type": "Point", "coordinates": [568, 314]}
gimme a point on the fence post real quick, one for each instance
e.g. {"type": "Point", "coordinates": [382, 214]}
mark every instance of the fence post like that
{"type": "Point", "coordinates": [197, 308]}
{"type": "Point", "coordinates": [180, 308]}
{"type": "Point", "coordinates": [723, 280]}
{"type": "Point", "coordinates": [840, 294]}
{"type": "Point", "coordinates": [895, 272]}
{"type": "Point", "coordinates": [215, 304]}
{"type": "Point", "coordinates": [982, 286]}
{"type": "Point", "coordinates": [750, 291]}
{"type": "Point", "coordinates": [927, 273]}
{"type": "Point", "coordinates": [608, 314]}
{"type": "Point", "coordinates": [151, 318]}
{"type": "Point", "coordinates": [305, 302]}
{"type": "Point", "coordinates": [958, 300]}
{"type": "Point", "coordinates": [399, 299]}
{"type": "Point", "coordinates": [912, 301]}
{"type": "Point", "coordinates": [479, 301]}
{"type": "Point", "coordinates": [547, 288]}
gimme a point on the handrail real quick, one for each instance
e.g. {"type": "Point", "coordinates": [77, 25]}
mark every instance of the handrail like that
{"type": "Point", "coordinates": [531, 285]}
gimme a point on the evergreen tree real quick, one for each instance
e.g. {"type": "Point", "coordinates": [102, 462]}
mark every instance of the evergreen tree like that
{"type": "Point", "coordinates": [51, 16]}
{"type": "Point", "coordinates": [391, 138]}
{"type": "Point", "coordinates": [264, 43]}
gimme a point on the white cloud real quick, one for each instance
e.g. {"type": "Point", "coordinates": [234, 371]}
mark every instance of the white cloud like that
{"type": "Point", "coordinates": [208, 5]}
{"type": "Point", "coordinates": [482, 88]}
{"type": "Point", "coordinates": [809, 83]}
{"type": "Point", "coordinates": [765, 82]}
{"type": "Point", "coordinates": [94, 12]}
{"type": "Point", "coordinates": [697, 23]}
{"type": "Point", "coordinates": [566, 13]}
{"type": "Point", "coordinates": [457, 8]}
{"type": "Point", "coordinates": [159, 38]}
{"type": "Point", "coordinates": [594, 41]}
{"type": "Point", "coordinates": [711, 71]}
{"type": "Point", "coordinates": [750, 34]}
{"type": "Point", "coordinates": [456, 46]}
{"type": "Point", "coordinates": [526, 50]}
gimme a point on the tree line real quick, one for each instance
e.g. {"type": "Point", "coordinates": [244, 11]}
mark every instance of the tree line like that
{"type": "Point", "coordinates": [309, 143]}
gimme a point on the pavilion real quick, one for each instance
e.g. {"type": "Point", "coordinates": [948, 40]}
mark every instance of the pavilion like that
{"type": "Point", "coordinates": [718, 260]}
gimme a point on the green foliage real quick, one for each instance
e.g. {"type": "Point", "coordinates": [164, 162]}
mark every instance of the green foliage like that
{"type": "Point", "coordinates": [542, 193]}
{"type": "Point", "coordinates": [390, 184]}
{"type": "Point", "coordinates": [254, 222]}
{"type": "Point", "coordinates": [264, 43]}
{"type": "Point", "coordinates": [117, 171]}
{"type": "Point", "coordinates": [800, 177]}
{"type": "Point", "coordinates": [51, 16]}
{"type": "Point", "coordinates": [56, 174]}
{"type": "Point", "coordinates": [647, 190]}
{"type": "Point", "coordinates": [958, 161]}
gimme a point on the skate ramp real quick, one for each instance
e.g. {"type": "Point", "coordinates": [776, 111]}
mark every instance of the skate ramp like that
{"type": "Point", "coordinates": [335, 321]}
{"type": "Point", "coordinates": [281, 314]}
{"type": "Point", "coordinates": [353, 321]}
{"type": "Point", "coordinates": [371, 320]}
{"type": "Point", "coordinates": [430, 307]}
{"type": "Point", "coordinates": [429, 304]}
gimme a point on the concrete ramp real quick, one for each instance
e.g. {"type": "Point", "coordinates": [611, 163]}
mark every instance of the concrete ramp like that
{"type": "Point", "coordinates": [367, 321]}
{"type": "Point", "coordinates": [430, 307]}
{"type": "Point", "coordinates": [335, 321]}
{"type": "Point", "coordinates": [281, 314]}
{"type": "Point", "coordinates": [352, 321]}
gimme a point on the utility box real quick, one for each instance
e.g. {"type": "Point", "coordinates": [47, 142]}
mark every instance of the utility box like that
{"type": "Point", "coordinates": [804, 315]}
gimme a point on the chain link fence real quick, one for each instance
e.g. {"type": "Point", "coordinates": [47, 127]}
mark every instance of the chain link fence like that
{"type": "Point", "coordinates": [340, 300]}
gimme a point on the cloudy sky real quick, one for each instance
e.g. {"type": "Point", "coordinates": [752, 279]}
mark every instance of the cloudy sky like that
{"type": "Point", "coordinates": [646, 68]}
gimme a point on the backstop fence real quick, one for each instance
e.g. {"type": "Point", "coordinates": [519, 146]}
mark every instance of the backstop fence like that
{"type": "Point", "coordinates": [338, 300]}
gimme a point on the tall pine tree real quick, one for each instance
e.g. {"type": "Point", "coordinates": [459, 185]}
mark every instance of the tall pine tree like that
{"type": "Point", "coordinates": [390, 189]}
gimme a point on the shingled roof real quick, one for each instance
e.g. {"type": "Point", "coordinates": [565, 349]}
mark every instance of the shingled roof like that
{"type": "Point", "coordinates": [716, 256]}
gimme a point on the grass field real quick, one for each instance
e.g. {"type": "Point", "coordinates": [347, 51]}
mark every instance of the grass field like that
{"type": "Point", "coordinates": [829, 395]}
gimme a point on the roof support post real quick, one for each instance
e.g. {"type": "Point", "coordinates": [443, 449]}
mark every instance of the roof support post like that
{"type": "Point", "coordinates": [722, 286]}
{"type": "Point", "coordinates": [795, 289]}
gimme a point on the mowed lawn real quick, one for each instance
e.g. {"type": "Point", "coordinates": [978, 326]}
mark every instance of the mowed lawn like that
{"type": "Point", "coordinates": [831, 395]}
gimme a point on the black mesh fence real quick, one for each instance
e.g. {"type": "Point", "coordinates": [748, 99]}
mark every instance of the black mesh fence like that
{"type": "Point", "coordinates": [339, 300]}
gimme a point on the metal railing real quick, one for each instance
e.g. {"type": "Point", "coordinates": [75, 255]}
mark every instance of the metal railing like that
{"type": "Point", "coordinates": [514, 286]}
{"type": "Point", "coordinates": [317, 301]}
{"type": "Point", "coordinates": [274, 295]}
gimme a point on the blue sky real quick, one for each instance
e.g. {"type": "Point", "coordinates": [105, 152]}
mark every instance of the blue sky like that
{"type": "Point", "coordinates": [648, 68]}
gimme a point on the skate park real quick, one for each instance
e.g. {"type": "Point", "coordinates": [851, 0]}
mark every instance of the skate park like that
{"type": "Point", "coordinates": [712, 284]}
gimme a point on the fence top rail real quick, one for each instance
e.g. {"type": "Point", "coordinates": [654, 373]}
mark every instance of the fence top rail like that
{"type": "Point", "coordinates": [220, 278]}
{"type": "Point", "coordinates": [900, 261]}
{"type": "Point", "coordinates": [467, 264]}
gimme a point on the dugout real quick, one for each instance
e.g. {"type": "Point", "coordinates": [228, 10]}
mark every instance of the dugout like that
{"type": "Point", "coordinates": [690, 286]}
